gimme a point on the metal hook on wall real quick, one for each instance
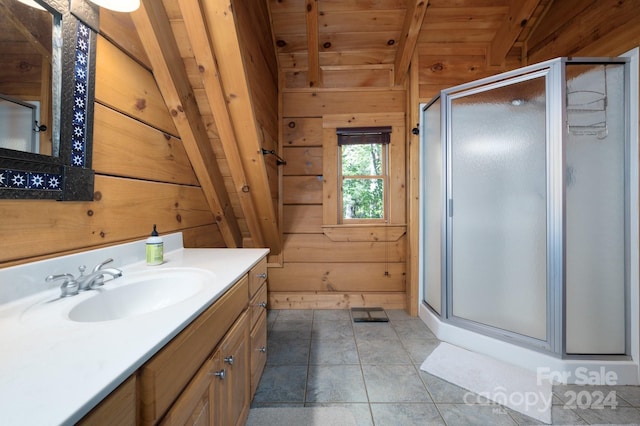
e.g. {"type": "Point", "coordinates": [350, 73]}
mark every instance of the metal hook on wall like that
{"type": "Point", "coordinates": [279, 160]}
{"type": "Point", "coordinates": [39, 127]}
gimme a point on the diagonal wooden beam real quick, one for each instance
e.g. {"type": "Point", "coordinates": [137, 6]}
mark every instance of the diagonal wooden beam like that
{"type": "Point", "coordinates": [408, 38]}
{"type": "Point", "coordinates": [226, 42]}
{"type": "Point", "coordinates": [519, 13]}
{"type": "Point", "coordinates": [155, 32]}
{"type": "Point", "coordinates": [313, 69]}
{"type": "Point", "coordinates": [207, 64]}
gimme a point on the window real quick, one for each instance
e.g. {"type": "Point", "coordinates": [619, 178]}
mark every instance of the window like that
{"type": "Point", "coordinates": [363, 176]}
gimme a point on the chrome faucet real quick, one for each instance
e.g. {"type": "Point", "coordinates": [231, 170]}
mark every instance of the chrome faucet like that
{"type": "Point", "coordinates": [71, 285]}
{"type": "Point", "coordinates": [96, 277]}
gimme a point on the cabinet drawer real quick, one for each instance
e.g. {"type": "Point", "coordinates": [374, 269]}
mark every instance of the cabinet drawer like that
{"type": "Point", "coordinates": [257, 275]}
{"type": "Point", "coordinates": [168, 372]}
{"type": "Point", "coordinates": [258, 351]}
{"type": "Point", "coordinates": [258, 304]}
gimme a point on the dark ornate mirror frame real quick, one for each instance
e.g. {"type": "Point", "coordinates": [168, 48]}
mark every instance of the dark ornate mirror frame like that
{"type": "Point", "coordinates": [68, 176]}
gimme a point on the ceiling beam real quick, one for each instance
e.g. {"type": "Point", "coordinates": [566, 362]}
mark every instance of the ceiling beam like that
{"type": "Point", "coordinates": [313, 68]}
{"type": "Point", "coordinates": [519, 13]}
{"type": "Point", "coordinates": [155, 32]}
{"type": "Point", "coordinates": [225, 41]}
{"type": "Point", "coordinates": [208, 67]}
{"type": "Point", "coordinates": [409, 38]}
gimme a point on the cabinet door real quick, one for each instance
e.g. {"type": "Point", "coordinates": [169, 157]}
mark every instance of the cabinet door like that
{"type": "Point", "coordinates": [258, 351]}
{"type": "Point", "coordinates": [233, 389]}
{"type": "Point", "coordinates": [194, 406]}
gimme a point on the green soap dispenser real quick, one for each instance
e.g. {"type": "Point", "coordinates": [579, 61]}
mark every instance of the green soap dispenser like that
{"type": "Point", "coordinates": [155, 248]}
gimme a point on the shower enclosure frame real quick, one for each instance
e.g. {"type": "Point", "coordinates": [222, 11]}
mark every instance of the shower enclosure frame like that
{"type": "Point", "coordinates": [556, 138]}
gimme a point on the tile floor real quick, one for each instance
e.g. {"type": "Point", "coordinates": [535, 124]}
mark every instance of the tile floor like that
{"type": "Point", "coordinates": [323, 358]}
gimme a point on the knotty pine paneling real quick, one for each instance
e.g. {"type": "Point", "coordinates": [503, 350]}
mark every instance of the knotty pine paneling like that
{"type": "Point", "coordinates": [299, 60]}
{"type": "Point", "coordinates": [318, 248]}
{"type": "Point", "coordinates": [124, 85]}
{"type": "Point", "coordinates": [126, 147]}
{"type": "Point", "coordinates": [302, 131]}
{"type": "Point", "coordinates": [335, 300]}
{"type": "Point", "coordinates": [120, 30]}
{"type": "Point", "coordinates": [586, 28]}
{"type": "Point", "coordinates": [302, 189]}
{"type": "Point", "coordinates": [365, 19]}
{"type": "Point", "coordinates": [349, 76]}
{"type": "Point", "coordinates": [123, 209]}
{"type": "Point", "coordinates": [338, 277]}
{"type": "Point", "coordinates": [203, 236]}
{"type": "Point", "coordinates": [302, 219]}
{"type": "Point", "coordinates": [318, 103]}
{"type": "Point", "coordinates": [316, 272]}
{"type": "Point", "coordinates": [302, 161]}
{"type": "Point", "coordinates": [447, 71]}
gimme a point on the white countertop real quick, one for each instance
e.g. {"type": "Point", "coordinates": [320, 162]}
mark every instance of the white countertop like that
{"type": "Point", "coordinates": [53, 370]}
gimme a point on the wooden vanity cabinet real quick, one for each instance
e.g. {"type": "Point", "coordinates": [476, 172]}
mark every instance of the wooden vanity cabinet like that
{"type": "Point", "coordinates": [117, 409]}
{"type": "Point", "coordinates": [232, 381]}
{"type": "Point", "coordinates": [207, 374]}
{"type": "Point", "coordinates": [163, 377]}
{"type": "Point", "coordinates": [258, 311]}
{"type": "Point", "coordinates": [219, 393]}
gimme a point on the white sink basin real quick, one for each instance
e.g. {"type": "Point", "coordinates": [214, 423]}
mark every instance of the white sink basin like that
{"type": "Point", "coordinates": [140, 293]}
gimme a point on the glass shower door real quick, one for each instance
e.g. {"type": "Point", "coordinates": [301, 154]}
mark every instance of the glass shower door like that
{"type": "Point", "coordinates": [497, 212]}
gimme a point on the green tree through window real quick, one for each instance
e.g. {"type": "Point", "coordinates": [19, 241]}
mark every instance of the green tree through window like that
{"type": "Point", "coordinates": [363, 169]}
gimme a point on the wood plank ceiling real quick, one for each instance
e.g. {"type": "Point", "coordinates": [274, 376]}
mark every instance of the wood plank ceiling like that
{"type": "Point", "coordinates": [318, 44]}
{"type": "Point", "coordinates": [334, 38]}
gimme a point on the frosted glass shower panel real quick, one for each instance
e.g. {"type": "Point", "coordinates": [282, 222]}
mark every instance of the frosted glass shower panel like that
{"type": "Point", "coordinates": [595, 209]}
{"type": "Point", "coordinates": [433, 162]}
{"type": "Point", "coordinates": [498, 197]}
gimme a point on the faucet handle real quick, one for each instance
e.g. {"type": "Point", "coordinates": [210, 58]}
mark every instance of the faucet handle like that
{"type": "Point", "coordinates": [100, 265]}
{"type": "Point", "coordinates": [69, 287]}
{"type": "Point", "coordinates": [50, 278]}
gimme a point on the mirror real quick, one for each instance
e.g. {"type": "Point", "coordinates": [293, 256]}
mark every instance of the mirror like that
{"type": "Point", "coordinates": [47, 71]}
{"type": "Point", "coordinates": [27, 32]}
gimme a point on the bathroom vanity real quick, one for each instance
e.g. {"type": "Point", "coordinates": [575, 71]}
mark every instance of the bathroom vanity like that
{"type": "Point", "coordinates": [196, 353]}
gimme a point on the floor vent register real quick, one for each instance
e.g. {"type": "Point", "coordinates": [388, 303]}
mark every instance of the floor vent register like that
{"type": "Point", "coordinates": [369, 315]}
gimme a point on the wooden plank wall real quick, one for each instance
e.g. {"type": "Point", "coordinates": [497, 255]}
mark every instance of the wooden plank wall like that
{"type": "Point", "coordinates": [143, 175]}
{"type": "Point", "coordinates": [325, 266]}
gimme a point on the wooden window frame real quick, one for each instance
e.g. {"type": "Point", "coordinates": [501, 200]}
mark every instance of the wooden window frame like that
{"type": "Point", "coordinates": [348, 136]}
{"type": "Point", "coordinates": [396, 171]}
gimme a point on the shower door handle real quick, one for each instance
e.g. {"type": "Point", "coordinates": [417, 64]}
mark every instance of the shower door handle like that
{"type": "Point", "coordinates": [450, 207]}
